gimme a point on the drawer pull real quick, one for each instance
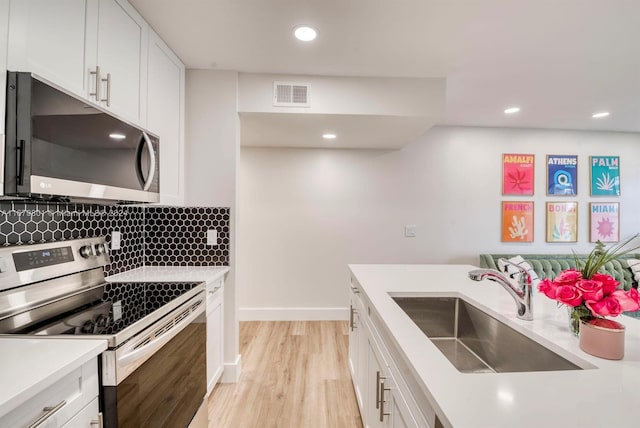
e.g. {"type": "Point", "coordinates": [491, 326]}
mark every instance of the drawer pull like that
{"type": "Point", "coordinates": [382, 400]}
{"type": "Point", "coordinates": [98, 421]}
{"type": "Point", "coordinates": [49, 411]}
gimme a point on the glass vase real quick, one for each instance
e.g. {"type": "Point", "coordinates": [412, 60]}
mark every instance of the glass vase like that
{"type": "Point", "coordinates": [575, 315]}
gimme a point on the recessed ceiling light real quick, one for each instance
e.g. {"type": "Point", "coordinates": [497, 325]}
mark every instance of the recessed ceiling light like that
{"type": "Point", "coordinates": [512, 110]}
{"type": "Point", "coordinates": [329, 136]}
{"type": "Point", "coordinates": [117, 136]}
{"type": "Point", "coordinates": [305, 33]}
{"type": "Point", "coordinates": [600, 114]}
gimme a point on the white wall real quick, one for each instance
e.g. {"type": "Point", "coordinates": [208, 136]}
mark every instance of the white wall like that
{"type": "Point", "coordinates": [211, 174]}
{"type": "Point", "coordinates": [307, 213]}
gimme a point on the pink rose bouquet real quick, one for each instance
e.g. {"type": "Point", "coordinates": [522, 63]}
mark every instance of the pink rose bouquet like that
{"type": "Point", "coordinates": [589, 292]}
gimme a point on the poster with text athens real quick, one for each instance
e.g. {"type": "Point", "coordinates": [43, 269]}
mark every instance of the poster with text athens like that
{"type": "Point", "coordinates": [562, 175]}
{"type": "Point", "coordinates": [517, 174]}
{"type": "Point", "coordinates": [517, 221]}
{"type": "Point", "coordinates": [605, 221]}
{"type": "Point", "coordinates": [562, 221]}
{"type": "Point", "coordinates": [605, 175]}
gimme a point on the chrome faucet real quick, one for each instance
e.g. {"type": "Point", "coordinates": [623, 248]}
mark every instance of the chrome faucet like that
{"type": "Point", "coordinates": [520, 288]}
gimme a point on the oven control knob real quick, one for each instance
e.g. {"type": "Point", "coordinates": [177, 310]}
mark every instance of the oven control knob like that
{"type": "Point", "coordinates": [100, 249]}
{"type": "Point", "coordinates": [86, 251]}
{"type": "Point", "coordinates": [87, 327]}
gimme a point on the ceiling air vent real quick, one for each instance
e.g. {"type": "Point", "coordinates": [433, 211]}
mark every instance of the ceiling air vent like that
{"type": "Point", "coordinates": [287, 94]}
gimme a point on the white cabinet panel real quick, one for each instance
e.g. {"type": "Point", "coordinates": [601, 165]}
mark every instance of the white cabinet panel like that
{"type": "Point", "coordinates": [87, 417]}
{"type": "Point", "coordinates": [48, 38]}
{"type": "Point", "coordinates": [165, 117]}
{"type": "Point", "coordinates": [215, 339]}
{"type": "Point", "coordinates": [120, 51]}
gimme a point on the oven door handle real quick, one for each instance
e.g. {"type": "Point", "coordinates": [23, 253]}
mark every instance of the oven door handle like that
{"type": "Point", "coordinates": [159, 341]}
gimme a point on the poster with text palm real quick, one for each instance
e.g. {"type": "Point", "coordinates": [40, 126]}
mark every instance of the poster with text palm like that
{"type": "Point", "coordinates": [605, 175]}
{"type": "Point", "coordinates": [562, 221]}
{"type": "Point", "coordinates": [517, 174]}
{"type": "Point", "coordinates": [605, 221]}
{"type": "Point", "coordinates": [517, 221]}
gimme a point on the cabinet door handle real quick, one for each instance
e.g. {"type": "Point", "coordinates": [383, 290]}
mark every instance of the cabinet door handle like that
{"type": "Point", "coordinates": [108, 99]}
{"type": "Point", "coordinates": [96, 92]}
{"type": "Point", "coordinates": [379, 384]}
{"type": "Point", "coordinates": [351, 317]}
{"type": "Point", "coordinates": [355, 290]}
{"type": "Point", "coordinates": [98, 422]}
{"type": "Point", "coordinates": [48, 412]}
{"type": "Point", "coordinates": [382, 412]}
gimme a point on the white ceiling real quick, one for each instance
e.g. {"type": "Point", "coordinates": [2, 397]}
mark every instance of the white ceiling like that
{"type": "Point", "coordinates": [353, 131]}
{"type": "Point", "coordinates": [560, 60]}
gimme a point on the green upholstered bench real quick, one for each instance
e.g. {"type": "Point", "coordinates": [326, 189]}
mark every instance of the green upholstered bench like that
{"type": "Point", "coordinates": [550, 265]}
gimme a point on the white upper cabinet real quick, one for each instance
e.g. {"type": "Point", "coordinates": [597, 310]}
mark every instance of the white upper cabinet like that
{"type": "Point", "coordinates": [165, 117]}
{"type": "Point", "coordinates": [4, 28]}
{"type": "Point", "coordinates": [120, 52]}
{"type": "Point", "coordinates": [48, 38]}
{"type": "Point", "coordinates": [65, 41]}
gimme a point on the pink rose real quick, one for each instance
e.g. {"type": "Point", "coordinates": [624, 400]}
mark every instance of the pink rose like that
{"type": "Point", "coordinates": [548, 288]}
{"type": "Point", "coordinates": [568, 277]}
{"type": "Point", "coordinates": [609, 306]}
{"type": "Point", "coordinates": [591, 290]}
{"type": "Point", "coordinates": [629, 300]}
{"type": "Point", "coordinates": [608, 283]}
{"type": "Point", "coordinates": [569, 295]}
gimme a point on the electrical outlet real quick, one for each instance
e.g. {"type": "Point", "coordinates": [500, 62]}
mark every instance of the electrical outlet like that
{"type": "Point", "coordinates": [116, 238]}
{"type": "Point", "coordinates": [410, 230]}
{"type": "Point", "coordinates": [117, 310]}
{"type": "Point", "coordinates": [212, 237]}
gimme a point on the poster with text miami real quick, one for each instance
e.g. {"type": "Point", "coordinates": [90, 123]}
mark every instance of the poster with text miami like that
{"type": "Point", "coordinates": [562, 175]}
{"type": "Point", "coordinates": [605, 175]}
{"type": "Point", "coordinates": [605, 221]}
{"type": "Point", "coordinates": [517, 221]}
{"type": "Point", "coordinates": [517, 174]}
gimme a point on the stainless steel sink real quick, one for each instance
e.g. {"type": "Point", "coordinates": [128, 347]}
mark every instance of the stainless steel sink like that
{"type": "Point", "coordinates": [476, 342]}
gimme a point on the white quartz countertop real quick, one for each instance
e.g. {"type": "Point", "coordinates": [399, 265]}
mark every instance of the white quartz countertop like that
{"type": "Point", "coordinates": [607, 394]}
{"type": "Point", "coordinates": [27, 366]}
{"type": "Point", "coordinates": [206, 274]}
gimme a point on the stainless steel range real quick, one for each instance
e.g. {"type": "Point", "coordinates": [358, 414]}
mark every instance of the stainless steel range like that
{"type": "Point", "coordinates": [154, 371]}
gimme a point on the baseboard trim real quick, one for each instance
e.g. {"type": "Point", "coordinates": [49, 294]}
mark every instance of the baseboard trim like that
{"type": "Point", "coordinates": [293, 314]}
{"type": "Point", "coordinates": [232, 371]}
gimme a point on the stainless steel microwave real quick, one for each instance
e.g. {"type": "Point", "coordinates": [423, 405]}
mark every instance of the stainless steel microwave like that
{"type": "Point", "coordinates": [60, 147]}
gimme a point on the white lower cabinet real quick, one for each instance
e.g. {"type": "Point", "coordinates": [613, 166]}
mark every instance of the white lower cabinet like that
{"type": "Point", "coordinates": [88, 417]}
{"type": "Point", "coordinates": [70, 402]}
{"type": "Point", "coordinates": [382, 393]}
{"type": "Point", "coordinates": [4, 34]}
{"type": "Point", "coordinates": [215, 338]}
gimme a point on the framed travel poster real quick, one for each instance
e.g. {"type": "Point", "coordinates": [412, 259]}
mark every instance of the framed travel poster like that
{"type": "Point", "coordinates": [517, 174]}
{"type": "Point", "coordinates": [605, 175]}
{"type": "Point", "coordinates": [562, 175]}
{"type": "Point", "coordinates": [562, 221]}
{"type": "Point", "coordinates": [517, 221]}
{"type": "Point", "coordinates": [604, 219]}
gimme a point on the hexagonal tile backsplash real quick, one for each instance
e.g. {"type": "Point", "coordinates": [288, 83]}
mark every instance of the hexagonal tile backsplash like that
{"type": "Point", "coordinates": [151, 235]}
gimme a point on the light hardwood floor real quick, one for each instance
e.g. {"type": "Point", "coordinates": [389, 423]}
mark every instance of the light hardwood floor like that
{"type": "Point", "coordinates": [294, 375]}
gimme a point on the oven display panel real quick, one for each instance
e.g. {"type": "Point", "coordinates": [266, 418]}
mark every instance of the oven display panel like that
{"type": "Point", "coordinates": [35, 259]}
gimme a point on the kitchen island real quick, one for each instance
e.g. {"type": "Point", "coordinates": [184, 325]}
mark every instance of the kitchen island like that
{"type": "Point", "coordinates": [603, 394]}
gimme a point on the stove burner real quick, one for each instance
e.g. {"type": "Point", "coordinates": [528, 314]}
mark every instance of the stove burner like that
{"type": "Point", "coordinates": [92, 320]}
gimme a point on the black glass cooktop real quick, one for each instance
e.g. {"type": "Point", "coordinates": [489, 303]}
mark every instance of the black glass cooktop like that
{"type": "Point", "coordinates": [131, 302]}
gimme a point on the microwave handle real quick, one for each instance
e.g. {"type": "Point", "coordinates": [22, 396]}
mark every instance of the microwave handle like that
{"type": "Point", "coordinates": [152, 161]}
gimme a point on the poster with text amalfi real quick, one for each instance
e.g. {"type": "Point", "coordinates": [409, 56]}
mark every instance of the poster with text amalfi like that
{"type": "Point", "coordinates": [562, 175]}
{"type": "Point", "coordinates": [605, 221]}
{"type": "Point", "coordinates": [562, 221]}
{"type": "Point", "coordinates": [605, 175]}
{"type": "Point", "coordinates": [517, 174]}
{"type": "Point", "coordinates": [517, 221]}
